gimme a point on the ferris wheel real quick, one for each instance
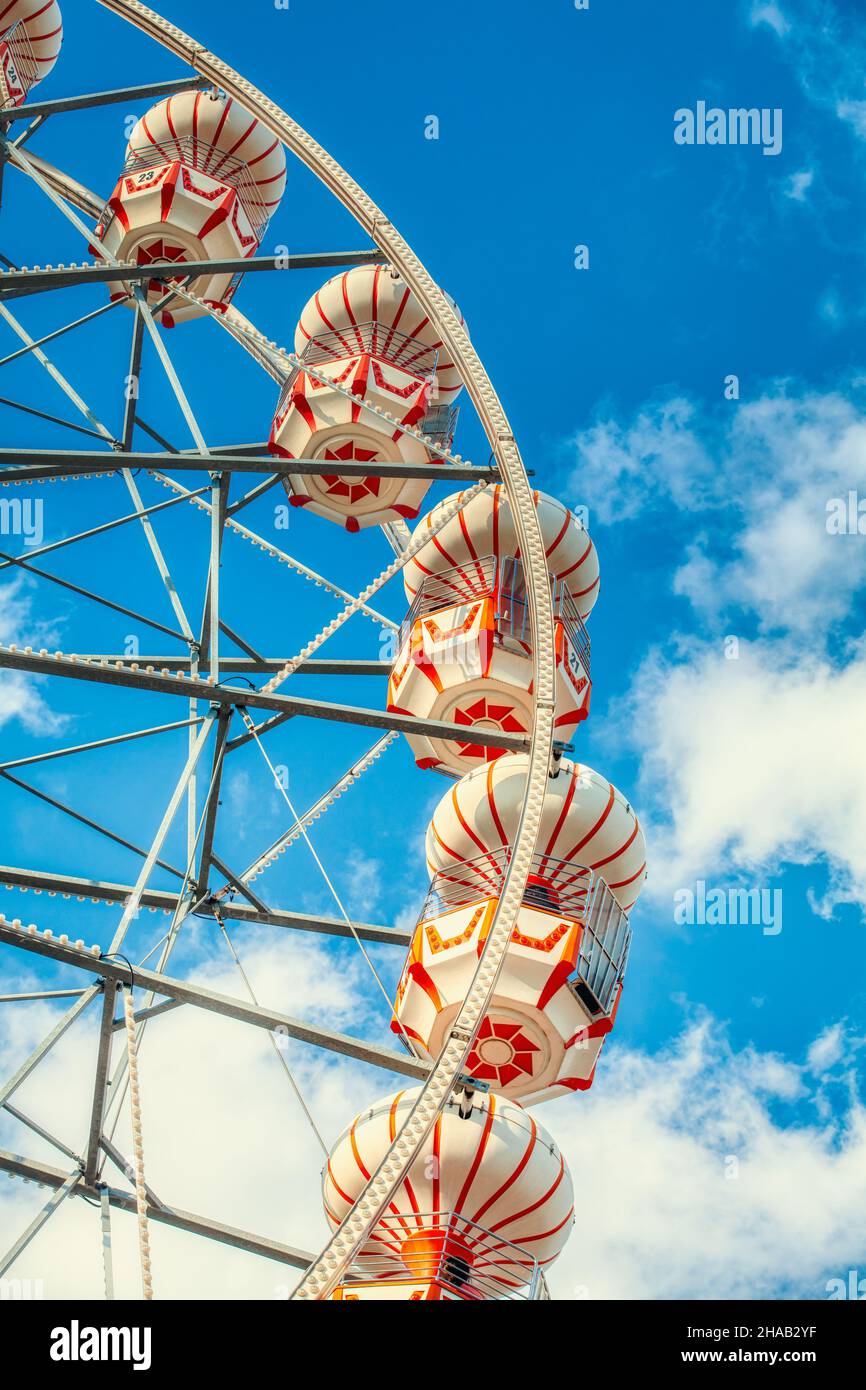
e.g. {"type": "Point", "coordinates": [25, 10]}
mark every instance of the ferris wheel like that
{"type": "Point", "coordinates": [512, 976]}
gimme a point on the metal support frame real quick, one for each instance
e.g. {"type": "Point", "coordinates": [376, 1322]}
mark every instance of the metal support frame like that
{"type": "Point", "coordinates": [86, 593]}
{"type": "Point", "coordinates": [132, 383]}
{"type": "Point", "coordinates": [121, 1163]}
{"type": "Point", "coordinates": [103, 527]}
{"type": "Point", "coordinates": [105, 1225]}
{"type": "Point", "coordinates": [60, 1193]}
{"type": "Point", "coordinates": [56, 375]}
{"type": "Point", "coordinates": [272, 1020]}
{"type": "Point", "coordinates": [48, 1042]}
{"type": "Point", "coordinates": [20, 1167]}
{"type": "Point", "coordinates": [46, 415]}
{"type": "Point", "coordinates": [19, 465]}
{"type": "Point", "coordinates": [59, 665]}
{"type": "Point", "coordinates": [132, 905]}
{"type": "Point", "coordinates": [79, 196]}
{"type": "Point", "coordinates": [40, 994]}
{"type": "Point", "coordinates": [208, 645]}
{"type": "Point", "coordinates": [160, 900]}
{"type": "Point", "coordinates": [103, 1062]}
{"type": "Point", "coordinates": [272, 550]}
{"type": "Point", "coordinates": [59, 332]}
{"type": "Point", "coordinates": [60, 105]}
{"type": "Point", "coordinates": [505, 463]}
{"type": "Point", "coordinates": [210, 817]}
{"type": "Point", "coordinates": [43, 1133]}
{"type": "Point", "coordinates": [97, 743]}
{"type": "Point", "coordinates": [234, 665]}
{"type": "Point", "coordinates": [86, 820]}
{"type": "Point", "coordinates": [15, 283]}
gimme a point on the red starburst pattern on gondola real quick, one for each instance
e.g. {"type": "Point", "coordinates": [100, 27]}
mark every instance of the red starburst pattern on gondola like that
{"type": "Point", "coordinates": [159, 250]}
{"type": "Point", "coordinates": [494, 714]}
{"type": "Point", "coordinates": [351, 489]}
{"type": "Point", "coordinates": [502, 1053]}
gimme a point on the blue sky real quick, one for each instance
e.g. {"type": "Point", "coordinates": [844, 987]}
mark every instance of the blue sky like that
{"type": "Point", "coordinates": [709, 514]}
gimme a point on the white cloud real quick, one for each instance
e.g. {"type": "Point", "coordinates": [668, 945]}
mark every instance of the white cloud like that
{"type": "Point", "coordinates": [621, 469]}
{"type": "Point", "coordinates": [854, 112]}
{"type": "Point", "coordinates": [797, 185]}
{"type": "Point", "coordinates": [826, 48]}
{"type": "Point", "coordinates": [750, 763]}
{"type": "Point", "coordinates": [826, 1050]}
{"type": "Point", "coordinates": [245, 804]}
{"type": "Point", "coordinates": [766, 471]}
{"type": "Point", "coordinates": [19, 694]}
{"type": "Point", "coordinates": [830, 307]}
{"type": "Point", "coordinates": [224, 1135]}
{"type": "Point", "coordinates": [690, 1186]}
{"type": "Point", "coordinates": [649, 1148]}
{"type": "Point", "coordinates": [771, 15]}
{"type": "Point", "coordinates": [365, 890]}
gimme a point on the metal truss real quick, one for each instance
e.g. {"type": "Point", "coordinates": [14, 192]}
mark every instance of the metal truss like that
{"type": "Point", "coordinates": [159, 900]}
{"type": "Point", "coordinates": [56, 1178]}
{"type": "Point", "coordinates": [192, 686]}
{"type": "Point", "coordinates": [15, 283]}
{"type": "Point", "coordinates": [26, 465]}
{"type": "Point", "coordinates": [119, 972]}
{"type": "Point", "coordinates": [200, 677]}
{"type": "Point", "coordinates": [260, 666]}
{"type": "Point", "coordinates": [153, 91]}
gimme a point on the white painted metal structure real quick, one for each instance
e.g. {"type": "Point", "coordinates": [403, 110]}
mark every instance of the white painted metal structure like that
{"type": "Point", "coordinates": [439, 1079]}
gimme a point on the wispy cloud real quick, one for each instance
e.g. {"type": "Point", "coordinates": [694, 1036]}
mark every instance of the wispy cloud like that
{"type": "Point", "coordinates": [755, 480]}
{"type": "Point", "coordinates": [20, 696]}
{"type": "Point", "coordinates": [797, 185]}
{"type": "Point", "coordinates": [750, 763]}
{"type": "Point", "coordinates": [830, 307]}
{"type": "Point", "coordinates": [826, 47]}
{"type": "Point", "coordinates": [752, 751]}
{"type": "Point", "coordinates": [771, 15]}
{"type": "Point", "coordinates": [714, 1173]}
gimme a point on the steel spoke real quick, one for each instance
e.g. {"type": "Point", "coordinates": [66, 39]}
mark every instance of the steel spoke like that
{"type": "Point", "coordinates": [23, 464]}
{"type": "Point", "coordinates": [48, 1043]}
{"type": "Point", "coordinates": [58, 332]}
{"type": "Point", "coordinates": [88, 594]}
{"type": "Point", "coordinates": [170, 1216]}
{"type": "Point", "coordinates": [14, 284]}
{"type": "Point", "coordinates": [212, 1002]}
{"type": "Point", "coordinates": [104, 526]}
{"type": "Point", "coordinates": [98, 743]}
{"type": "Point", "coordinates": [43, 1133]}
{"type": "Point", "coordinates": [59, 1195]}
{"type": "Point", "coordinates": [52, 419]}
{"type": "Point", "coordinates": [134, 679]}
{"type": "Point", "coordinates": [85, 820]}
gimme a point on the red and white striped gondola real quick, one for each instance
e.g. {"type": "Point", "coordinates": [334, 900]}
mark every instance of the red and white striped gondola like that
{"type": "Point", "coordinates": [31, 32]}
{"type": "Point", "coordinates": [559, 990]}
{"type": "Point", "coordinates": [201, 180]}
{"type": "Point", "coordinates": [487, 1203]}
{"type": "Point", "coordinates": [364, 340]}
{"type": "Point", "coordinates": [464, 653]}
